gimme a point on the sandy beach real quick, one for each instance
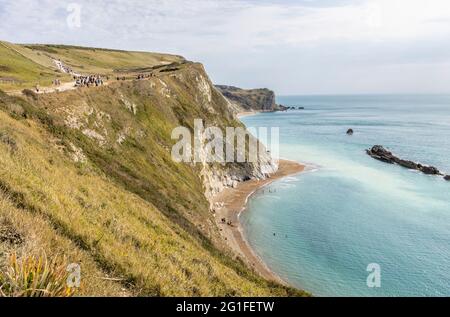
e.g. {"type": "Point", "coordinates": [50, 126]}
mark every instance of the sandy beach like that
{"type": "Point", "coordinates": [234, 201]}
{"type": "Point", "coordinates": [251, 113]}
{"type": "Point", "coordinates": [247, 113]}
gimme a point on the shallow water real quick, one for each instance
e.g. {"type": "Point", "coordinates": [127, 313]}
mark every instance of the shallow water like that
{"type": "Point", "coordinates": [332, 222]}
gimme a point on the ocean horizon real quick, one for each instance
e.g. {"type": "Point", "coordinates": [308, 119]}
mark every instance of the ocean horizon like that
{"type": "Point", "coordinates": [321, 229]}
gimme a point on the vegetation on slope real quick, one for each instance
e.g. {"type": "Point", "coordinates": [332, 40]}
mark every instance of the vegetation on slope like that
{"type": "Point", "coordinates": [25, 66]}
{"type": "Point", "coordinates": [103, 61]}
{"type": "Point", "coordinates": [35, 277]}
{"type": "Point", "coordinates": [19, 71]}
{"type": "Point", "coordinates": [87, 174]}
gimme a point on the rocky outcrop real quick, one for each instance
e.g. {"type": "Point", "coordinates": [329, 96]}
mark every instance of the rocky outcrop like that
{"type": "Point", "coordinates": [218, 177]}
{"type": "Point", "coordinates": [216, 180]}
{"type": "Point", "coordinates": [350, 132]}
{"type": "Point", "coordinates": [251, 99]}
{"type": "Point", "coordinates": [378, 152]}
{"type": "Point", "coordinates": [447, 177]}
{"type": "Point", "coordinates": [286, 108]}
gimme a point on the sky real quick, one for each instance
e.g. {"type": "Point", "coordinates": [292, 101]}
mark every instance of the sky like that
{"type": "Point", "coordinates": [292, 47]}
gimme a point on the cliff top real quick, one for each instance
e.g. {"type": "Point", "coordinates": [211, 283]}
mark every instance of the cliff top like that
{"type": "Point", "coordinates": [87, 174]}
{"type": "Point", "coordinates": [26, 65]}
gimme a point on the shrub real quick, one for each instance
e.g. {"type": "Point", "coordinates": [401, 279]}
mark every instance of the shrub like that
{"type": "Point", "coordinates": [34, 277]}
{"type": "Point", "coordinates": [29, 93]}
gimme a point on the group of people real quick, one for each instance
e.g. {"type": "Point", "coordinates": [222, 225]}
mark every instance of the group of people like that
{"type": "Point", "coordinates": [57, 82]}
{"type": "Point", "coordinates": [229, 222]}
{"type": "Point", "coordinates": [63, 68]}
{"type": "Point", "coordinates": [87, 81]}
{"type": "Point", "coordinates": [143, 76]}
{"type": "Point", "coordinates": [95, 80]}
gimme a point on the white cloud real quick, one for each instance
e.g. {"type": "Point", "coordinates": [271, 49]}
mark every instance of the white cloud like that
{"type": "Point", "coordinates": [292, 40]}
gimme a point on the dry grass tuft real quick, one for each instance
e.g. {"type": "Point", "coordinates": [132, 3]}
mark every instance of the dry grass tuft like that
{"type": "Point", "coordinates": [34, 277]}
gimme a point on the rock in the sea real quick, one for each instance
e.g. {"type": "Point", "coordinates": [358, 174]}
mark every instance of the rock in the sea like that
{"type": "Point", "coordinates": [430, 170]}
{"type": "Point", "coordinates": [378, 152]}
{"type": "Point", "coordinates": [350, 131]}
{"type": "Point", "coordinates": [447, 177]}
{"type": "Point", "coordinates": [408, 164]}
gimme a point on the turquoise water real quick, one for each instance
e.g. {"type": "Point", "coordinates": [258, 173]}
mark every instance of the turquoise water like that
{"type": "Point", "coordinates": [350, 210]}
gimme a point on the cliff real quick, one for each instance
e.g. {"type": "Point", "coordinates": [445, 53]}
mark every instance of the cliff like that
{"type": "Point", "coordinates": [249, 100]}
{"type": "Point", "coordinates": [87, 174]}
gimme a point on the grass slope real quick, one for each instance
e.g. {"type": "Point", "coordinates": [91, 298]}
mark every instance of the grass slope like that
{"type": "Point", "coordinates": [88, 174]}
{"type": "Point", "coordinates": [18, 70]}
{"type": "Point", "coordinates": [25, 66]}
{"type": "Point", "coordinates": [103, 61]}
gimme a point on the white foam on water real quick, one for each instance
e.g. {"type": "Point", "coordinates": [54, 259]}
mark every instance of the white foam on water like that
{"type": "Point", "coordinates": [383, 179]}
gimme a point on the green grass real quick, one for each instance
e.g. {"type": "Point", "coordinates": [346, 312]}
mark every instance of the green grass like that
{"type": "Point", "coordinates": [35, 277]}
{"type": "Point", "coordinates": [18, 71]}
{"type": "Point", "coordinates": [103, 61]}
{"type": "Point", "coordinates": [137, 222]}
{"type": "Point", "coordinates": [25, 66]}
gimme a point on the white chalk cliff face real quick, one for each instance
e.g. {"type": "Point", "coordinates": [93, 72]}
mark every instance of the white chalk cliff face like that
{"type": "Point", "coordinates": [216, 177]}
{"type": "Point", "coordinates": [216, 180]}
{"type": "Point", "coordinates": [189, 82]}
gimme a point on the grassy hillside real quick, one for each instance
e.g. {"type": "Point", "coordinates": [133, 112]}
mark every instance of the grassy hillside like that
{"type": "Point", "coordinates": [18, 70]}
{"type": "Point", "coordinates": [24, 66]}
{"type": "Point", "coordinates": [87, 174]}
{"type": "Point", "coordinates": [103, 61]}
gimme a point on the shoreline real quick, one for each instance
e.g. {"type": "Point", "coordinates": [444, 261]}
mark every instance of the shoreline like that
{"type": "Point", "coordinates": [234, 202]}
{"type": "Point", "coordinates": [253, 112]}
{"type": "Point", "coordinates": [247, 113]}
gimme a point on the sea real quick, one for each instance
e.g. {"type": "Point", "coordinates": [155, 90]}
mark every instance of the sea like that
{"type": "Point", "coordinates": [351, 225]}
